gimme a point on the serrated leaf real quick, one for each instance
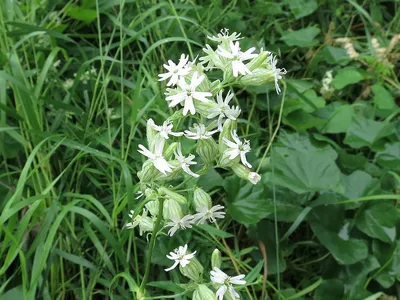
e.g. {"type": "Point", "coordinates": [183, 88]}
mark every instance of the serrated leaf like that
{"type": "Point", "coordinates": [345, 77]}
{"type": "Point", "coordinates": [389, 157]}
{"type": "Point", "coordinates": [379, 221]}
{"type": "Point", "coordinates": [246, 202]}
{"type": "Point", "coordinates": [365, 132]}
{"type": "Point", "coordinates": [302, 38]}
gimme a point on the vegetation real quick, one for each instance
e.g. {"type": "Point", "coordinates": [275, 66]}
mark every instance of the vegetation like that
{"type": "Point", "coordinates": [78, 82]}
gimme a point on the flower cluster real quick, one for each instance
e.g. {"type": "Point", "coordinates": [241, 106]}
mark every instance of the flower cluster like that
{"type": "Point", "coordinates": [216, 141]}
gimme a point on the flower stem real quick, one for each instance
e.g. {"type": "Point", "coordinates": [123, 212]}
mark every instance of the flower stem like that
{"type": "Point", "coordinates": [142, 287]}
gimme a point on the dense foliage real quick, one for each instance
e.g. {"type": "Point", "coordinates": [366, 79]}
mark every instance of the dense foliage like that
{"type": "Point", "coordinates": [78, 82]}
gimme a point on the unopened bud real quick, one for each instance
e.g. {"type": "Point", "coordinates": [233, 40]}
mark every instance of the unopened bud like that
{"type": "Point", "coordinates": [148, 172]}
{"type": "Point", "coordinates": [152, 207]}
{"type": "Point", "coordinates": [204, 108]}
{"type": "Point", "coordinates": [227, 128]}
{"type": "Point", "coordinates": [207, 149]}
{"type": "Point", "coordinates": [258, 61]}
{"type": "Point", "coordinates": [202, 292]}
{"type": "Point", "coordinates": [216, 259]}
{"type": "Point", "coordinates": [245, 173]}
{"type": "Point", "coordinates": [201, 198]}
{"type": "Point", "coordinates": [193, 270]}
{"type": "Point", "coordinates": [173, 195]}
{"type": "Point", "coordinates": [258, 77]}
{"type": "Point", "coordinates": [150, 132]}
{"type": "Point", "coordinates": [172, 209]}
{"type": "Point", "coordinates": [169, 152]}
{"type": "Point", "coordinates": [225, 160]}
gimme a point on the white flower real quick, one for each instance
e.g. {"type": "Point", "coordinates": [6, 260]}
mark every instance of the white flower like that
{"type": "Point", "coordinates": [237, 57]}
{"type": "Point", "coordinates": [277, 72]}
{"type": "Point", "coordinates": [254, 177]}
{"type": "Point", "coordinates": [177, 223]}
{"type": "Point", "coordinates": [187, 93]}
{"type": "Point", "coordinates": [224, 36]}
{"type": "Point", "coordinates": [157, 157]}
{"type": "Point", "coordinates": [145, 223]}
{"type": "Point", "coordinates": [204, 214]}
{"type": "Point", "coordinates": [199, 132]}
{"type": "Point", "coordinates": [68, 83]}
{"type": "Point", "coordinates": [175, 71]}
{"type": "Point", "coordinates": [185, 162]}
{"type": "Point", "coordinates": [223, 109]}
{"type": "Point", "coordinates": [209, 58]}
{"type": "Point", "coordinates": [180, 256]}
{"type": "Point", "coordinates": [165, 129]}
{"type": "Point", "coordinates": [219, 277]}
{"type": "Point", "coordinates": [237, 148]}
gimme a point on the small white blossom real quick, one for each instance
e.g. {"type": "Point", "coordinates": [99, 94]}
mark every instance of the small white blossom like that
{"type": "Point", "coordinates": [219, 277]}
{"type": "Point", "coordinates": [237, 57]}
{"type": "Point", "coordinates": [159, 162]}
{"type": "Point", "coordinates": [68, 83]}
{"type": "Point", "coordinates": [223, 110]}
{"type": "Point", "coordinates": [237, 148]}
{"type": "Point", "coordinates": [175, 71]}
{"type": "Point", "coordinates": [179, 223]}
{"type": "Point", "coordinates": [187, 93]}
{"type": "Point", "coordinates": [145, 223]}
{"type": "Point", "coordinates": [199, 132]}
{"type": "Point", "coordinates": [210, 59]}
{"type": "Point", "coordinates": [180, 257]}
{"type": "Point", "coordinates": [277, 72]}
{"type": "Point", "coordinates": [224, 36]}
{"type": "Point", "coordinates": [254, 177]}
{"type": "Point", "coordinates": [185, 162]}
{"type": "Point", "coordinates": [165, 129]}
{"type": "Point", "coordinates": [204, 214]}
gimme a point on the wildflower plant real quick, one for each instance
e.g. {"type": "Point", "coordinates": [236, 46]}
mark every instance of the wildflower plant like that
{"type": "Point", "coordinates": [206, 116]}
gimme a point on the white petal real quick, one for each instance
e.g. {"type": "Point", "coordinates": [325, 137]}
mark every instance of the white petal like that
{"type": "Point", "coordinates": [173, 266]}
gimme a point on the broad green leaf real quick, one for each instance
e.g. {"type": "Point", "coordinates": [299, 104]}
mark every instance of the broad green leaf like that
{"type": "Point", "coordinates": [359, 184]}
{"type": "Point", "coordinates": [390, 156]}
{"type": "Point", "coordinates": [80, 13]}
{"type": "Point", "coordinates": [246, 202]}
{"type": "Point", "coordinates": [379, 221]}
{"type": "Point", "coordinates": [302, 38]}
{"type": "Point", "coordinates": [352, 161]}
{"type": "Point", "coordinates": [389, 257]}
{"type": "Point", "coordinates": [210, 180]}
{"type": "Point", "coordinates": [301, 120]}
{"type": "Point", "coordinates": [382, 98]}
{"type": "Point", "coordinates": [339, 119]}
{"type": "Point", "coordinates": [299, 85]}
{"type": "Point", "coordinates": [302, 8]}
{"type": "Point", "coordinates": [330, 290]}
{"type": "Point", "coordinates": [345, 77]}
{"type": "Point", "coordinates": [326, 224]}
{"type": "Point", "coordinates": [335, 55]}
{"type": "Point", "coordinates": [365, 132]}
{"type": "Point", "coordinates": [304, 172]}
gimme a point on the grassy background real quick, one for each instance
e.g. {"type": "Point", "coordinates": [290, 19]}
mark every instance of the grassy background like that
{"type": "Point", "coordinates": [78, 82]}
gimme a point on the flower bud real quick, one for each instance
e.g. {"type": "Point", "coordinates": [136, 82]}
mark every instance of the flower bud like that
{"type": "Point", "coordinates": [203, 108]}
{"type": "Point", "coordinates": [216, 259]}
{"type": "Point", "coordinates": [229, 125]}
{"type": "Point", "coordinates": [245, 173]}
{"type": "Point", "coordinates": [201, 198]}
{"type": "Point", "coordinates": [152, 207]}
{"type": "Point", "coordinates": [258, 61]}
{"type": "Point", "coordinates": [170, 151]}
{"type": "Point", "coordinates": [148, 172]}
{"type": "Point", "coordinates": [145, 225]}
{"type": "Point", "coordinates": [207, 150]}
{"type": "Point", "coordinates": [193, 270]}
{"type": "Point", "coordinates": [172, 209]}
{"type": "Point", "coordinates": [202, 292]}
{"type": "Point", "coordinates": [216, 86]}
{"type": "Point", "coordinates": [225, 161]}
{"type": "Point", "coordinates": [258, 77]}
{"type": "Point", "coordinates": [150, 132]}
{"type": "Point", "coordinates": [173, 195]}
{"type": "Point", "coordinates": [150, 194]}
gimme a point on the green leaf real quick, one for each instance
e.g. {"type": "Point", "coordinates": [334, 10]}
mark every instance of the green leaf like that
{"type": "Point", "coordinates": [326, 224]}
{"type": "Point", "coordinates": [167, 285]}
{"type": "Point", "coordinates": [330, 290]}
{"type": "Point", "coordinates": [80, 13]}
{"type": "Point", "coordinates": [302, 8]}
{"type": "Point", "coordinates": [304, 172]}
{"type": "Point", "coordinates": [382, 98]}
{"type": "Point", "coordinates": [301, 120]}
{"type": "Point", "coordinates": [345, 77]}
{"type": "Point", "coordinates": [214, 231]}
{"type": "Point", "coordinates": [389, 257]}
{"type": "Point", "coordinates": [246, 202]}
{"type": "Point", "coordinates": [359, 184]}
{"type": "Point", "coordinates": [302, 38]}
{"type": "Point", "coordinates": [389, 157]}
{"type": "Point", "coordinates": [339, 119]}
{"type": "Point", "coordinates": [365, 132]}
{"type": "Point", "coordinates": [379, 221]}
{"type": "Point", "coordinates": [335, 55]}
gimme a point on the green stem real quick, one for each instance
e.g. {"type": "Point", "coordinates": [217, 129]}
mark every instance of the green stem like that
{"type": "Point", "coordinates": [151, 248]}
